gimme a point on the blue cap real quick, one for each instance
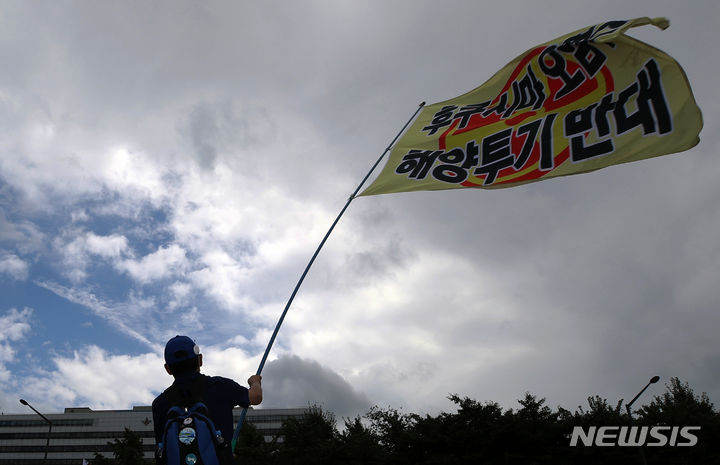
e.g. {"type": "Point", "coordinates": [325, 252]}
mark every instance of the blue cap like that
{"type": "Point", "coordinates": [179, 349]}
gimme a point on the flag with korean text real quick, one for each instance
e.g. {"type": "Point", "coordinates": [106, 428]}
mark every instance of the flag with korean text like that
{"type": "Point", "coordinates": [587, 100]}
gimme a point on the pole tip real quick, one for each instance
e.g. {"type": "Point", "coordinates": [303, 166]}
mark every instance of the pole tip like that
{"type": "Point", "coordinates": [422, 104]}
{"type": "Point", "coordinates": [23, 401]}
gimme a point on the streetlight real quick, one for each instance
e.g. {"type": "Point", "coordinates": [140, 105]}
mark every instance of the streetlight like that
{"type": "Point", "coordinates": [653, 380]}
{"type": "Point", "coordinates": [47, 444]}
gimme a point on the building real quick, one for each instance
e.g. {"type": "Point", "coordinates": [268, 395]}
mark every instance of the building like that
{"type": "Point", "coordinates": [79, 433]}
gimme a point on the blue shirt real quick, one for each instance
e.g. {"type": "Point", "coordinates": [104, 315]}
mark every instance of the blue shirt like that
{"type": "Point", "coordinates": [221, 396]}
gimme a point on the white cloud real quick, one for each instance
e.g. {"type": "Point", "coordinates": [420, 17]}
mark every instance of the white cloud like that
{"type": "Point", "coordinates": [133, 173]}
{"type": "Point", "coordinates": [180, 292]}
{"type": "Point", "coordinates": [395, 338]}
{"type": "Point", "coordinates": [221, 278]}
{"type": "Point", "coordinates": [111, 246]}
{"type": "Point", "coordinates": [192, 318]}
{"type": "Point", "coordinates": [74, 258]}
{"type": "Point", "coordinates": [79, 216]}
{"type": "Point", "coordinates": [129, 317]}
{"type": "Point", "coordinates": [15, 326]}
{"type": "Point", "coordinates": [238, 340]}
{"type": "Point", "coordinates": [220, 360]}
{"type": "Point", "coordinates": [78, 248]}
{"type": "Point", "coordinates": [14, 266]}
{"type": "Point", "coordinates": [91, 378]}
{"type": "Point", "coordinates": [165, 262]}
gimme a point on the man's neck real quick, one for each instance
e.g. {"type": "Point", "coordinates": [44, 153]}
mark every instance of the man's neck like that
{"type": "Point", "coordinates": [186, 377]}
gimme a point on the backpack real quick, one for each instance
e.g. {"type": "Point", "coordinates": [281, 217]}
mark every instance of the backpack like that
{"type": "Point", "coordinates": [190, 436]}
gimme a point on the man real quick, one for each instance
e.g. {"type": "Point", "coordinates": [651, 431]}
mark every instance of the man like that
{"type": "Point", "coordinates": [220, 395]}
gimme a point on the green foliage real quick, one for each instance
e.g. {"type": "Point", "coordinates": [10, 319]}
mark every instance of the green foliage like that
{"type": "Point", "coordinates": [310, 440]}
{"type": "Point", "coordinates": [679, 405]}
{"type": "Point", "coordinates": [483, 433]}
{"type": "Point", "coordinates": [100, 459]}
{"type": "Point", "coordinates": [128, 450]}
{"type": "Point", "coordinates": [360, 444]}
{"type": "Point", "coordinates": [394, 431]}
{"type": "Point", "coordinates": [252, 448]}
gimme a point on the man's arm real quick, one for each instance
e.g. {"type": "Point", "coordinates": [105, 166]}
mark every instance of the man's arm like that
{"type": "Point", "coordinates": [255, 391]}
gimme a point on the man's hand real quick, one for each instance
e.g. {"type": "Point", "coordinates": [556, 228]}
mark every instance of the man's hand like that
{"type": "Point", "coordinates": [255, 391]}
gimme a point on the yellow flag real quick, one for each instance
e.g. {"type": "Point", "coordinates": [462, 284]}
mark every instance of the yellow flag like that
{"type": "Point", "coordinates": [587, 100]}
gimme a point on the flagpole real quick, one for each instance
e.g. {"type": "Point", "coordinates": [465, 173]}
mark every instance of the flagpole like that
{"type": "Point", "coordinates": [312, 260]}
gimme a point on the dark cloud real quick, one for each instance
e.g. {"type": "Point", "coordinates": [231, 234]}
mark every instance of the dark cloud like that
{"type": "Point", "coordinates": [224, 128]}
{"type": "Point", "coordinates": [291, 381]}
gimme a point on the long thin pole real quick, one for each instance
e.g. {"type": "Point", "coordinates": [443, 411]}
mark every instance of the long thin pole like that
{"type": "Point", "coordinates": [47, 443]}
{"type": "Point", "coordinates": [653, 380]}
{"type": "Point", "coordinates": [312, 260]}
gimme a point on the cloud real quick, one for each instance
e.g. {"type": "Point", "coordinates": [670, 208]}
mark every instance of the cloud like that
{"type": "Point", "coordinates": [163, 263]}
{"type": "Point", "coordinates": [15, 326]}
{"type": "Point", "coordinates": [180, 293]}
{"type": "Point", "coordinates": [290, 381]}
{"type": "Point", "coordinates": [134, 174]}
{"type": "Point", "coordinates": [78, 248]}
{"type": "Point", "coordinates": [222, 277]}
{"type": "Point", "coordinates": [90, 378]}
{"type": "Point", "coordinates": [399, 336]}
{"type": "Point", "coordinates": [128, 317]}
{"type": "Point", "coordinates": [216, 129]}
{"type": "Point", "coordinates": [14, 266]}
{"type": "Point", "coordinates": [111, 246]}
{"type": "Point", "coordinates": [23, 235]}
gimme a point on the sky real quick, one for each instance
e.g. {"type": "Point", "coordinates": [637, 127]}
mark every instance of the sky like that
{"type": "Point", "coordinates": [169, 167]}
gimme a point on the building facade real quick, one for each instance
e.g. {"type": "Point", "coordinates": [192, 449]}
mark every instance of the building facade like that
{"type": "Point", "coordinates": [79, 433]}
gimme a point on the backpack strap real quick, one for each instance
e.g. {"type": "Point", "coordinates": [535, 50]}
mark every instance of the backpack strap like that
{"type": "Point", "coordinates": [167, 451]}
{"type": "Point", "coordinates": [181, 398]}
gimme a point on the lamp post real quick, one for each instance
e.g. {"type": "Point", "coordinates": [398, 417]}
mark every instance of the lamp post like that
{"type": "Point", "coordinates": [47, 444]}
{"type": "Point", "coordinates": [653, 380]}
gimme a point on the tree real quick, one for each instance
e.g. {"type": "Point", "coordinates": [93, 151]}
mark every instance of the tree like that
{"type": "Point", "coordinates": [313, 439]}
{"type": "Point", "coordinates": [477, 433]}
{"type": "Point", "coordinates": [252, 448]}
{"type": "Point", "coordinates": [394, 431]}
{"type": "Point", "coordinates": [483, 433]}
{"type": "Point", "coordinates": [359, 445]}
{"type": "Point", "coordinates": [100, 459]}
{"type": "Point", "coordinates": [600, 413]}
{"type": "Point", "coordinates": [533, 431]}
{"type": "Point", "coordinates": [129, 449]}
{"type": "Point", "coordinates": [679, 406]}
